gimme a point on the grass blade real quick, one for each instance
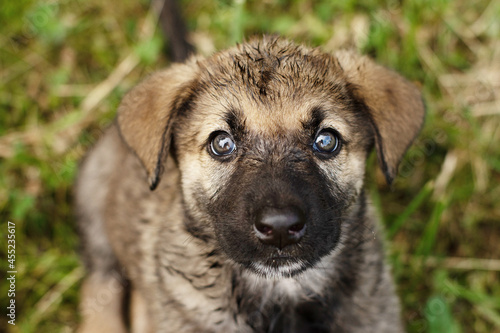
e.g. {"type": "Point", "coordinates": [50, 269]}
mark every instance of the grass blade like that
{"type": "Point", "coordinates": [424, 193]}
{"type": "Point", "coordinates": [430, 233]}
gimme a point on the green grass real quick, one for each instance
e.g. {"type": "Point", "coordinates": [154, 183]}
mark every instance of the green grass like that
{"type": "Point", "coordinates": [64, 65]}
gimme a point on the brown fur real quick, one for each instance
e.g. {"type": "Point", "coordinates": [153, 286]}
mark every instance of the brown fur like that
{"type": "Point", "coordinates": [187, 253]}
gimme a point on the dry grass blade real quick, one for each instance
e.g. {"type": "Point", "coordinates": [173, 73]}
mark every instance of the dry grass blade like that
{"type": "Point", "coordinates": [54, 296]}
{"type": "Point", "coordinates": [105, 87]}
{"type": "Point", "coordinates": [456, 263]}
{"type": "Point", "coordinates": [447, 170]}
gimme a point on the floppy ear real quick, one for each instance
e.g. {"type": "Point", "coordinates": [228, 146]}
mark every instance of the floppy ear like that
{"type": "Point", "coordinates": [147, 112]}
{"type": "Point", "coordinates": [395, 107]}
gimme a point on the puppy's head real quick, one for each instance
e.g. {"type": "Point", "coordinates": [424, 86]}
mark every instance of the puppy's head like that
{"type": "Point", "coordinates": [271, 140]}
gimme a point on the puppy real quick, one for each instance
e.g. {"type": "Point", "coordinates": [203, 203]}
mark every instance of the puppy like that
{"type": "Point", "coordinates": [260, 222]}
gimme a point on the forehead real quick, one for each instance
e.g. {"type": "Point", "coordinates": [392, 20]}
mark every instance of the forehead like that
{"type": "Point", "coordinates": [261, 115]}
{"type": "Point", "coordinates": [273, 85]}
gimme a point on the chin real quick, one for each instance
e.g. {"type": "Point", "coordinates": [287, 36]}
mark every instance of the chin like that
{"type": "Point", "coordinates": [277, 268]}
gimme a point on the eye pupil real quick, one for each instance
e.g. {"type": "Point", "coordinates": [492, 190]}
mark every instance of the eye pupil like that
{"type": "Point", "coordinates": [222, 144]}
{"type": "Point", "coordinates": [326, 142]}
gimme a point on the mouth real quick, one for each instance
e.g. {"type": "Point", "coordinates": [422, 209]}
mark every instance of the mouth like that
{"type": "Point", "coordinates": [278, 267]}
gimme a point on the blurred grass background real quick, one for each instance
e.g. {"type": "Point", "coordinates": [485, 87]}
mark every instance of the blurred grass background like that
{"type": "Point", "coordinates": [64, 65]}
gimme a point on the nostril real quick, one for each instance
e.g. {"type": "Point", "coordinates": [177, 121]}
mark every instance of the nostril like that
{"type": "Point", "coordinates": [296, 228]}
{"type": "Point", "coordinates": [266, 230]}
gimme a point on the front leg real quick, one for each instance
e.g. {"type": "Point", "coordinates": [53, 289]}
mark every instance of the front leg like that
{"type": "Point", "coordinates": [101, 304]}
{"type": "Point", "coordinates": [139, 313]}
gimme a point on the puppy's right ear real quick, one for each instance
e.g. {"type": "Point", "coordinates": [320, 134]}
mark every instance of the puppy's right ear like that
{"type": "Point", "coordinates": [147, 112]}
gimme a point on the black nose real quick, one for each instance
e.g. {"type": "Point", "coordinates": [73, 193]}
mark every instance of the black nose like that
{"type": "Point", "coordinates": [280, 227]}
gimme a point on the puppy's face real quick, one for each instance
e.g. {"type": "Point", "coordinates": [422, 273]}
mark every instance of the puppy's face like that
{"type": "Point", "coordinates": [271, 139]}
{"type": "Point", "coordinates": [272, 171]}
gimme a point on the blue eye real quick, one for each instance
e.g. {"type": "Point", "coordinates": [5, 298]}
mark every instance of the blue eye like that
{"type": "Point", "coordinates": [326, 142]}
{"type": "Point", "coordinates": [222, 144]}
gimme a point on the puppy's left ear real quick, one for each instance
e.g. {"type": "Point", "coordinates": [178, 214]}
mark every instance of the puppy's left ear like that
{"type": "Point", "coordinates": [395, 107]}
